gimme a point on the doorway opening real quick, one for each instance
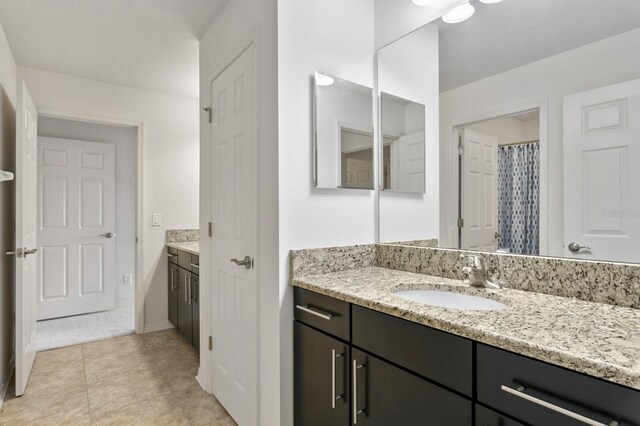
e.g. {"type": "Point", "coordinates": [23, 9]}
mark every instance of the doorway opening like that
{"type": "Point", "coordinates": [499, 184]}
{"type": "Point", "coordinates": [87, 226]}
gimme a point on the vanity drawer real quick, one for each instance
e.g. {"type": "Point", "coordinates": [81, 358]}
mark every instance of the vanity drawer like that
{"type": "Point", "coordinates": [322, 312]}
{"type": "Point", "coordinates": [172, 255]}
{"type": "Point", "coordinates": [434, 354]}
{"type": "Point", "coordinates": [486, 417]}
{"type": "Point", "coordinates": [501, 373]}
{"type": "Point", "coordinates": [195, 264]}
{"type": "Point", "coordinates": [184, 260]}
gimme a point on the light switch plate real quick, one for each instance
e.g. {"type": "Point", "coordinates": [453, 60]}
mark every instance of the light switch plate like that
{"type": "Point", "coordinates": [128, 279]}
{"type": "Point", "coordinates": [156, 219]}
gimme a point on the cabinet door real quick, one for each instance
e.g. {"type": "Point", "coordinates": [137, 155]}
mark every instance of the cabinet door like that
{"type": "Point", "coordinates": [195, 310]}
{"type": "Point", "coordinates": [321, 379]}
{"type": "Point", "coordinates": [385, 395]}
{"type": "Point", "coordinates": [173, 294]}
{"type": "Point", "coordinates": [184, 305]}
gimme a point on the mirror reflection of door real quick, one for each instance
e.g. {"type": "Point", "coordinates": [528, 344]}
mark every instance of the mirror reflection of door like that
{"type": "Point", "coordinates": [500, 184]}
{"type": "Point", "coordinates": [356, 159]}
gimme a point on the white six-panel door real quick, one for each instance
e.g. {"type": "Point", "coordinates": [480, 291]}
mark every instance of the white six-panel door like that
{"type": "Point", "coordinates": [26, 238]}
{"type": "Point", "coordinates": [602, 173]}
{"type": "Point", "coordinates": [234, 214]}
{"type": "Point", "coordinates": [479, 191]}
{"type": "Point", "coordinates": [76, 200]}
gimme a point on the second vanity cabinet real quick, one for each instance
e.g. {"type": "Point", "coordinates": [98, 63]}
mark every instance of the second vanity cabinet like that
{"type": "Point", "coordinates": [357, 366]}
{"type": "Point", "coordinates": [183, 294]}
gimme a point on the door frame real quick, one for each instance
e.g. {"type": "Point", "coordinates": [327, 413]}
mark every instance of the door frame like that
{"type": "Point", "coordinates": [205, 371]}
{"type": "Point", "coordinates": [139, 292]}
{"type": "Point", "coordinates": [449, 207]}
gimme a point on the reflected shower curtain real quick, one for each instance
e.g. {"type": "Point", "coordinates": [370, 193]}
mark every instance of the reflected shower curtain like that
{"type": "Point", "coordinates": [519, 197]}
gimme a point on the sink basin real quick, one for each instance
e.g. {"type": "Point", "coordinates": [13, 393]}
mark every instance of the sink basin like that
{"type": "Point", "coordinates": [448, 299]}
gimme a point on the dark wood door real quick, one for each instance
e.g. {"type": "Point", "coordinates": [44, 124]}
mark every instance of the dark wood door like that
{"type": "Point", "coordinates": [321, 378]}
{"type": "Point", "coordinates": [195, 310]}
{"type": "Point", "coordinates": [173, 294]}
{"type": "Point", "coordinates": [184, 305]}
{"type": "Point", "coordinates": [387, 395]}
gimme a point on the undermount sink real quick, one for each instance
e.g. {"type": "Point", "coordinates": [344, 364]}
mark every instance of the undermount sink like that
{"type": "Point", "coordinates": [448, 299]}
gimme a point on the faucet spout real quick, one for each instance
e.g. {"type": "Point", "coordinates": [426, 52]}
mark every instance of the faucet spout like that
{"type": "Point", "coordinates": [477, 275]}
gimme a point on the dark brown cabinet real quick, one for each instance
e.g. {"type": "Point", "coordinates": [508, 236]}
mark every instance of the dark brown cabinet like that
{"type": "Point", "coordinates": [402, 373]}
{"type": "Point", "coordinates": [184, 294]}
{"type": "Point", "coordinates": [173, 294]}
{"type": "Point", "coordinates": [321, 378]}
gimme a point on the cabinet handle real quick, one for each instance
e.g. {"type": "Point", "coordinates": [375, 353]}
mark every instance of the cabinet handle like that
{"type": "Point", "coordinates": [185, 288]}
{"type": "Point", "coordinates": [170, 255]}
{"type": "Point", "coordinates": [193, 265]}
{"type": "Point", "coordinates": [189, 286]}
{"type": "Point", "coordinates": [173, 288]}
{"type": "Point", "coordinates": [356, 412]}
{"type": "Point", "coordinates": [326, 315]}
{"type": "Point", "coordinates": [519, 392]}
{"type": "Point", "coordinates": [334, 398]}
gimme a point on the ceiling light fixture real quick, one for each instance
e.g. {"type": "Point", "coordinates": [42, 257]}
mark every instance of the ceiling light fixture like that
{"type": "Point", "coordinates": [490, 1]}
{"type": "Point", "coordinates": [424, 2]}
{"type": "Point", "coordinates": [323, 80]}
{"type": "Point", "coordinates": [459, 14]}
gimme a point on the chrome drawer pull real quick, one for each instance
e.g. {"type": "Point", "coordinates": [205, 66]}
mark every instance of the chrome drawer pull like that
{"type": "Point", "coordinates": [193, 265]}
{"type": "Point", "coordinates": [334, 398]}
{"type": "Point", "coordinates": [356, 412]}
{"type": "Point", "coordinates": [327, 316]}
{"type": "Point", "coordinates": [519, 392]}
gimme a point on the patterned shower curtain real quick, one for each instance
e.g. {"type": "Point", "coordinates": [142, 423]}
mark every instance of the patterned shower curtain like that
{"type": "Point", "coordinates": [519, 197]}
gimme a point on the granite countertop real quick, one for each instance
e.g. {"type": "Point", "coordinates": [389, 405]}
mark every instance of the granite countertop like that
{"type": "Point", "coordinates": [593, 338]}
{"type": "Point", "coordinates": [192, 247]}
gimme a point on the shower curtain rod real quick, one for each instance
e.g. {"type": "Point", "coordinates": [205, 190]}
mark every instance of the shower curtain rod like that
{"type": "Point", "coordinates": [520, 143]}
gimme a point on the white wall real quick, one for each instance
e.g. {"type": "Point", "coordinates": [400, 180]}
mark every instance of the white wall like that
{"type": "Point", "coordinates": [238, 21]}
{"type": "Point", "coordinates": [409, 69]}
{"type": "Point", "coordinates": [7, 205]}
{"type": "Point", "coordinates": [605, 62]}
{"type": "Point", "coordinates": [125, 140]}
{"type": "Point", "coordinates": [509, 129]}
{"type": "Point", "coordinates": [334, 36]}
{"type": "Point", "coordinates": [170, 156]}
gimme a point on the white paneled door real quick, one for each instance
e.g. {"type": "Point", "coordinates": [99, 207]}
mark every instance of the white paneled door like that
{"type": "Point", "coordinates": [602, 172]}
{"type": "Point", "coordinates": [408, 159]}
{"type": "Point", "coordinates": [76, 227]}
{"type": "Point", "coordinates": [26, 236]}
{"type": "Point", "coordinates": [234, 213]}
{"type": "Point", "coordinates": [479, 191]}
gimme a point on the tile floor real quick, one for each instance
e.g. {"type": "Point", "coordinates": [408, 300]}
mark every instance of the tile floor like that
{"type": "Point", "coordinates": [146, 379]}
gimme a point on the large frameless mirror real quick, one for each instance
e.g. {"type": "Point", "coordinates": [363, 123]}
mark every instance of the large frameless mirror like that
{"type": "Point", "coordinates": [533, 114]}
{"type": "Point", "coordinates": [343, 134]}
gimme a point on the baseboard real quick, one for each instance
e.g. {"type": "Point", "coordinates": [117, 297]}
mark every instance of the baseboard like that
{"type": "Point", "coordinates": [158, 326]}
{"type": "Point", "coordinates": [4, 386]}
{"type": "Point", "coordinates": [202, 380]}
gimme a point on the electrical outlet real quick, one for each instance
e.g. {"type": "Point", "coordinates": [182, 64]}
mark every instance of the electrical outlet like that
{"type": "Point", "coordinates": [127, 279]}
{"type": "Point", "coordinates": [156, 219]}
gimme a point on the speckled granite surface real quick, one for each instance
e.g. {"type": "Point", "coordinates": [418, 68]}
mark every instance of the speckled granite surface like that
{"type": "Point", "coordinates": [324, 260]}
{"type": "Point", "coordinates": [182, 235]}
{"type": "Point", "coordinates": [418, 243]}
{"type": "Point", "coordinates": [603, 282]}
{"type": "Point", "coordinates": [192, 247]}
{"type": "Point", "coordinates": [593, 338]}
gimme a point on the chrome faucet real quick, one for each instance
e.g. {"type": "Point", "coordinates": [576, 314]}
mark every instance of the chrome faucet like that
{"type": "Point", "coordinates": [476, 272]}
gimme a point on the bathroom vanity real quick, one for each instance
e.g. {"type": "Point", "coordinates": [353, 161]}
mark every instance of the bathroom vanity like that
{"type": "Point", "coordinates": [184, 289]}
{"type": "Point", "coordinates": [364, 355]}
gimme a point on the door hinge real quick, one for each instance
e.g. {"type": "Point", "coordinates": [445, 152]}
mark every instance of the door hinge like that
{"type": "Point", "coordinates": [210, 343]}
{"type": "Point", "coordinates": [460, 222]}
{"type": "Point", "coordinates": [460, 143]}
{"type": "Point", "coordinates": [210, 229]}
{"type": "Point", "coordinates": [460, 150]}
{"type": "Point", "coordinates": [208, 110]}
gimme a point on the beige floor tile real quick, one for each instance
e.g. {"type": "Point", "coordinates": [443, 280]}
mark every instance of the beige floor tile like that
{"type": "Point", "coordinates": [62, 405]}
{"type": "Point", "coordinates": [159, 411]}
{"type": "Point", "coordinates": [163, 339]}
{"type": "Point", "coordinates": [120, 391]}
{"type": "Point", "coordinates": [113, 364]}
{"type": "Point", "coordinates": [227, 421]}
{"type": "Point", "coordinates": [57, 358]}
{"type": "Point", "coordinates": [84, 420]}
{"type": "Point", "coordinates": [202, 409]}
{"type": "Point", "coordinates": [123, 346]}
{"type": "Point", "coordinates": [43, 381]}
{"type": "Point", "coordinates": [182, 382]}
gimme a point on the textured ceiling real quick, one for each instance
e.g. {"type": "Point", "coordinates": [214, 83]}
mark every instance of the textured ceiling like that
{"type": "Point", "coordinates": [506, 35]}
{"type": "Point", "coordinates": [147, 44]}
